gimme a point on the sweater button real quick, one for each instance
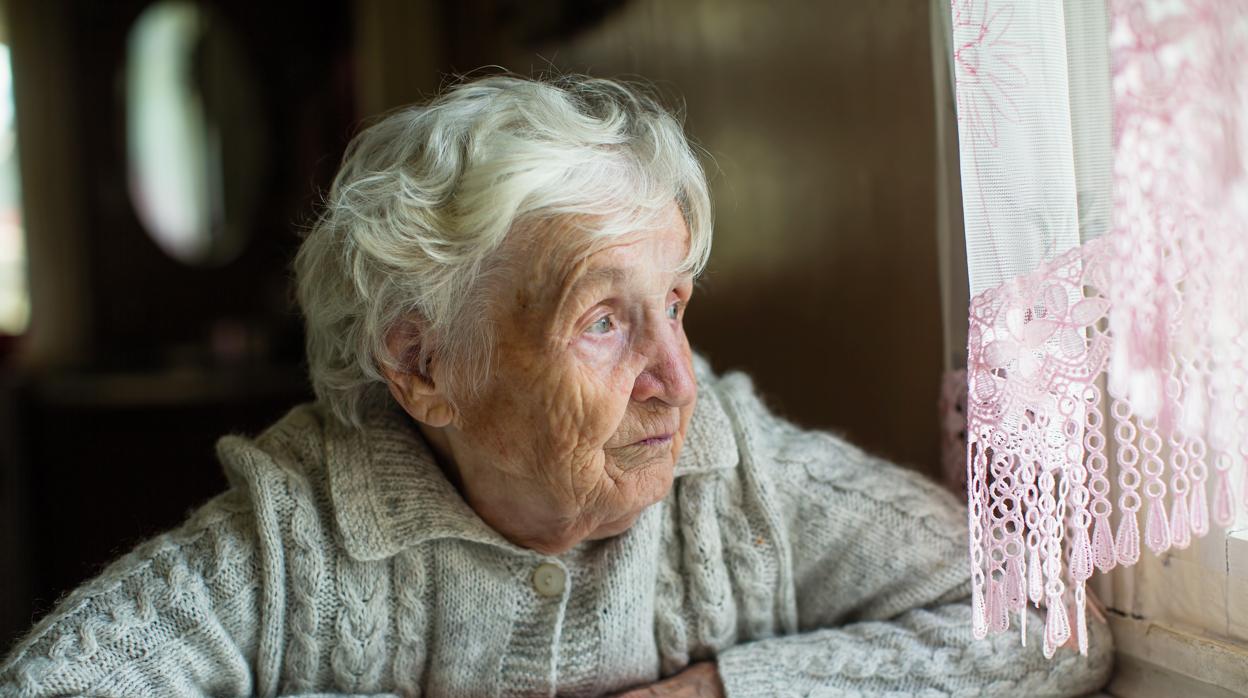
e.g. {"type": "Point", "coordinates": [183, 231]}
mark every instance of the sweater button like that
{"type": "Point", "coordinates": [548, 579]}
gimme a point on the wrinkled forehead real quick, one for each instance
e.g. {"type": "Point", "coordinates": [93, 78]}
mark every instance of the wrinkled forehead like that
{"type": "Point", "coordinates": [549, 257]}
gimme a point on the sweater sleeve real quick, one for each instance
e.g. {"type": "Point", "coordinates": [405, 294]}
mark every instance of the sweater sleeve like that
{"type": "Point", "coordinates": [879, 582]}
{"type": "Point", "coordinates": [175, 617]}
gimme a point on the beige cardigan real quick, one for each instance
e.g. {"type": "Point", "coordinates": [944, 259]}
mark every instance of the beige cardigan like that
{"type": "Point", "coordinates": [344, 562]}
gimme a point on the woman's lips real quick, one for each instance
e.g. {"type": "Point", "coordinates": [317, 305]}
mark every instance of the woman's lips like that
{"type": "Point", "coordinates": [657, 440]}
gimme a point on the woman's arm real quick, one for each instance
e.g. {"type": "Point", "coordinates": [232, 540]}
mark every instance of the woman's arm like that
{"type": "Point", "coordinates": [878, 560]}
{"type": "Point", "coordinates": [175, 617]}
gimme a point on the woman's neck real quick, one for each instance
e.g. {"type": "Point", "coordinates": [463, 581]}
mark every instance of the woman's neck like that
{"type": "Point", "coordinates": [441, 447]}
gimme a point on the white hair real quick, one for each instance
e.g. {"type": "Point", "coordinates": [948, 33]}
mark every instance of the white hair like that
{"type": "Point", "coordinates": [428, 193]}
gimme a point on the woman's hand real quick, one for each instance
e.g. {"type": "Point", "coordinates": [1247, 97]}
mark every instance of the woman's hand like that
{"type": "Point", "coordinates": [700, 680]}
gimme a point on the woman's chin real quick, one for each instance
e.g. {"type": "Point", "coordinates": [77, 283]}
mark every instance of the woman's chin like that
{"type": "Point", "coordinates": [620, 524]}
{"type": "Point", "coordinates": [614, 528]}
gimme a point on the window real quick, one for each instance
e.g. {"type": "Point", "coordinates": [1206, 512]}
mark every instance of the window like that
{"type": "Point", "coordinates": [14, 293]}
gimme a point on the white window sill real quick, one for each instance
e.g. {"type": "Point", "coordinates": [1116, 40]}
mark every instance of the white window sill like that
{"type": "Point", "coordinates": [1237, 553]}
{"type": "Point", "coordinates": [1156, 659]}
{"type": "Point", "coordinates": [1160, 660]}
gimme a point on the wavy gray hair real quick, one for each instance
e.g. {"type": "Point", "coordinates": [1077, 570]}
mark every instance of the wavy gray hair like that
{"type": "Point", "coordinates": [428, 193]}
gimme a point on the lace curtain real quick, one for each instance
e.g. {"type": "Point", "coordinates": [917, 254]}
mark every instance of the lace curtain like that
{"type": "Point", "coordinates": [1102, 149]}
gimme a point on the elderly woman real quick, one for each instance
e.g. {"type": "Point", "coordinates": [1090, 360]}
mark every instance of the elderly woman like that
{"type": "Point", "coordinates": [518, 479]}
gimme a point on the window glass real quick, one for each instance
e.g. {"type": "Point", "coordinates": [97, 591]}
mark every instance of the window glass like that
{"type": "Point", "coordinates": [14, 294]}
{"type": "Point", "coordinates": [193, 134]}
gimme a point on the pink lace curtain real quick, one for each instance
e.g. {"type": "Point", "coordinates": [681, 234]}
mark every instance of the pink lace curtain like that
{"type": "Point", "coordinates": [1103, 148]}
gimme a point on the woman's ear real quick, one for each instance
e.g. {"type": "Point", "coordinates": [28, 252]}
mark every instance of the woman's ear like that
{"type": "Point", "coordinates": [413, 386]}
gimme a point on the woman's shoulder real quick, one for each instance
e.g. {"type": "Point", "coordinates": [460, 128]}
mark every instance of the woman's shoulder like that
{"type": "Point", "coordinates": [814, 462]}
{"type": "Point", "coordinates": [284, 473]}
{"type": "Point", "coordinates": [293, 445]}
{"type": "Point", "coordinates": [201, 583]}
{"type": "Point", "coordinates": [150, 599]}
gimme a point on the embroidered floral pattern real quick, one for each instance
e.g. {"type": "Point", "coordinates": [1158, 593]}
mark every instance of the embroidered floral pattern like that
{"type": "Point", "coordinates": [1159, 306]}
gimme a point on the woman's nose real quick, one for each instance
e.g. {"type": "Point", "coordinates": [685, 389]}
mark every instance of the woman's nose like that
{"type": "Point", "coordinates": [668, 375]}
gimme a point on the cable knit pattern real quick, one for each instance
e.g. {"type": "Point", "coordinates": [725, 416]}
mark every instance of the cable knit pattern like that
{"type": "Point", "coordinates": [409, 621]}
{"type": "Point", "coordinates": [706, 577]}
{"type": "Point", "coordinates": [344, 562]}
{"type": "Point", "coordinates": [307, 564]}
{"type": "Point", "coordinates": [140, 604]}
{"type": "Point", "coordinates": [752, 570]}
{"type": "Point", "coordinates": [363, 593]}
{"type": "Point", "coordinates": [671, 629]}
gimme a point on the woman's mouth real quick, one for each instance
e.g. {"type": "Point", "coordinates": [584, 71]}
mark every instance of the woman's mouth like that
{"type": "Point", "coordinates": [657, 440]}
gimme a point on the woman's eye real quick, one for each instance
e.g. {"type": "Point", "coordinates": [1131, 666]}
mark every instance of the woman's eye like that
{"type": "Point", "coordinates": [673, 310]}
{"type": "Point", "coordinates": [602, 325]}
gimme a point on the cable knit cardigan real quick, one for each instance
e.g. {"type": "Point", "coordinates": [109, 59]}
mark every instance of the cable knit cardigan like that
{"type": "Point", "coordinates": [344, 562]}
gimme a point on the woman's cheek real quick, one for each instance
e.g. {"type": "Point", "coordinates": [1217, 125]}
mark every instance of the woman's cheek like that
{"type": "Point", "coordinates": [600, 352]}
{"type": "Point", "coordinates": [612, 361]}
{"type": "Point", "coordinates": [605, 388]}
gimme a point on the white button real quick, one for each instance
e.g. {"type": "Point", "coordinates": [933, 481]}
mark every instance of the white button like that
{"type": "Point", "coordinates": [548, 579]}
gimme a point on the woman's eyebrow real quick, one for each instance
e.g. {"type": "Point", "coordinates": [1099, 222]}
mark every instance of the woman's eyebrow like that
{"type": "Point", "coordinates": [588, 280]}
{"type": "Point", "coordinates": [598, 276]}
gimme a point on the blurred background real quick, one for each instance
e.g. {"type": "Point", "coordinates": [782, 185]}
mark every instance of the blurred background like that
{"type": "Point", "coordinates": [158, 159]}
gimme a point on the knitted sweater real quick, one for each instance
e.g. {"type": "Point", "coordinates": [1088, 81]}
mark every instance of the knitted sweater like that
{"type": "Point", "coordinates": [343, 561]}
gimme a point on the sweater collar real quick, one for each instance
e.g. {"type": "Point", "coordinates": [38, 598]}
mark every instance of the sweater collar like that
{"type": "Point", "coordinates": [389, 493]}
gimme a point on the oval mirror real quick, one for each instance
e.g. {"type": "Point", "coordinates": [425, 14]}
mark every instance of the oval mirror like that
{"type": "Point", "coordinates": [195, 140]}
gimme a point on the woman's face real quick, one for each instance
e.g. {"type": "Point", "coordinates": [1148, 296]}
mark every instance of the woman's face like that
{"type": "Point", "coordinates": [580, 425]}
